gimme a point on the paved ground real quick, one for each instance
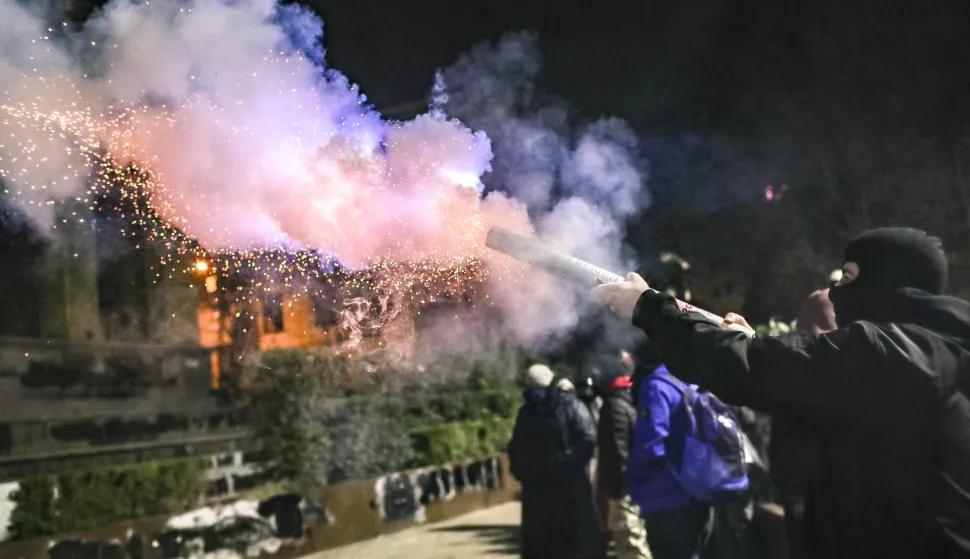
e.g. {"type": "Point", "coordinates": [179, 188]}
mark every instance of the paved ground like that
{"type": "Point", "coordinates": [487, 534]}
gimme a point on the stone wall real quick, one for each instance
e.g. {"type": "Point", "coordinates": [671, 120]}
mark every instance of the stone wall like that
{"type": "Point", "coordinates": [80, 404]}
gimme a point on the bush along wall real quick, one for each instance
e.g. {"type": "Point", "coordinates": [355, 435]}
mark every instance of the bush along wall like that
{"type": "Point", "coordinates": [459, 441]}
{"type": "Point", "coordinates": [74, 501]}
{"type": "Point", "coordinates": [321, 429]}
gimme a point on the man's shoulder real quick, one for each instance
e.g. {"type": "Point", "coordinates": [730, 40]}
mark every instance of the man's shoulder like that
{"type": "Point", "coordinates": [905, 351]}
{"type": "Point", "coordinates": [906, 338]}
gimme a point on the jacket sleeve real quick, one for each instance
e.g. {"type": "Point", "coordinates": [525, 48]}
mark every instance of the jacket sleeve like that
{"type": "Point", "coordinates": [621, 421]}
{"type": "Point", "coordinates": [654, 426]}
{"type": "Point", "coordinates": [811, 377]}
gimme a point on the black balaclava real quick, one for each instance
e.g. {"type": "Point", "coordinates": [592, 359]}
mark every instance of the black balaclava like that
{"type": "Point", "coordinates": [889, 259]}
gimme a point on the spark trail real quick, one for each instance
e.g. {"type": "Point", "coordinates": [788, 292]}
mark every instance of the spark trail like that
{"type": "Point", "coordinates": [217, 130]}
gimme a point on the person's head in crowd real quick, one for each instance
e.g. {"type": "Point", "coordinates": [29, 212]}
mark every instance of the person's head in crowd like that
{"type": "Point", "coordinates": [587, 390]}
{"type": "Point", "coordinates": [616, 378]}
{"type": "Point", "coordinates": [817, 315]}
{"type": "Point", "coordinates": [538, 376]}
{"type": "Point", "coordinates": [564, 384]}
{"type": "Point", "coordinates": [880, 262]}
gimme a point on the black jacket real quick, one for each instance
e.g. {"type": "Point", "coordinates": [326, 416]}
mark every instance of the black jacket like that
{"type": "Point", "coordinates": [790, 453]}
{"type": "Point", "coordinates": [552, 443]}
{"type": "Point", "coordinates": [615, 434]}
{"type": "Point", "coordinates": [554, 436]}
{"type": "Point", "coordinates": [890, 404]}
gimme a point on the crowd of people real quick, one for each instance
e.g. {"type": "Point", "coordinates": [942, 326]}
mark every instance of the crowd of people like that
{"type": "Point", "coordinates": [869, 404]}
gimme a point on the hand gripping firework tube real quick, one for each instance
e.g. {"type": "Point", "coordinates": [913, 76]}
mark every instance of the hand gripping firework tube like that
{"type": "Point", "coordinates": [536, 254]}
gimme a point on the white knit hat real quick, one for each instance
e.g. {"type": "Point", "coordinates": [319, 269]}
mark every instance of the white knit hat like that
{"type": "Point", "coordinates": [538, 376]}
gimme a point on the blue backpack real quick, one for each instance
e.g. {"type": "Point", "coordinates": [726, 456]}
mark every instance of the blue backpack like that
{"type": "Point", "coordinates": [713, 467]}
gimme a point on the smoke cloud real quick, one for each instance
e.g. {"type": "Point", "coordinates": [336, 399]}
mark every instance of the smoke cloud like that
{"type": "Point", "coordinates": [255, 144]}
{"type": "Point", "coordinates": [580, 183]}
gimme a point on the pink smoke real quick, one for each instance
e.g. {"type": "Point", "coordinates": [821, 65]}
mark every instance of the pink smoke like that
{"type": "Point", "coordinates": [254, 145]}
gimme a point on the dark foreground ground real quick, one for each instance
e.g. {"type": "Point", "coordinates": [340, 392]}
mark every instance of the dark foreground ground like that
{"type": "Point", "coordinates": [494, 534]}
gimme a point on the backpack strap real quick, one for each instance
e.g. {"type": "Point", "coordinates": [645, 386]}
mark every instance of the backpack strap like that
{"type": "Point", "coordinates": [661, 373]}
{"type": "Point", "coordinates": [671, 380]}
{"type": "Point", "coordinates": [560, 411]}
{"type": "Point", "coordinates": [688, 393]}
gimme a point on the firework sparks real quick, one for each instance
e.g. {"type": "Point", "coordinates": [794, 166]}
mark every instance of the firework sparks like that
{"type": "Point", "coordinates": [268, 173]}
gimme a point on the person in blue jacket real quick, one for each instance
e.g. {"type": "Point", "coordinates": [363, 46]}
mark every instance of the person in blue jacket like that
{"type": "Point", "coordinates": [678, 527]}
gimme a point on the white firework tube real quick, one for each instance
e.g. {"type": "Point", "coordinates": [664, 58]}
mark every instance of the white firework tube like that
{"type": "Point", "coordinates": [540, 256]}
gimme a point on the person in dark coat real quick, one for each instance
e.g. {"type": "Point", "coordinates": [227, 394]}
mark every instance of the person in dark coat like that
{"type": "Point", "coordinates": [549, 454]}
{"type": "Point", "coordinates": [888, 394]}
{"type": "Point", "coordinates": [615, 435]}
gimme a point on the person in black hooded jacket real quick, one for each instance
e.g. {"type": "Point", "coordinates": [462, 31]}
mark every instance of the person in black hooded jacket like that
{"type": "Point", "coordinates": [552, 444]}
{"type": "Point", "coordinates": [888, 394]}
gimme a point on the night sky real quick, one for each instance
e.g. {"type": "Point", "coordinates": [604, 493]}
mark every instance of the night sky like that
{"type": "Point", "coordinates": [661, 65]}
{"type": "Point", "coordinates": [752, 83]}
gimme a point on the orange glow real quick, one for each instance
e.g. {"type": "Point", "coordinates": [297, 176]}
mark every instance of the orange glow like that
{"type": "Point", "coordinates": [201, 266]}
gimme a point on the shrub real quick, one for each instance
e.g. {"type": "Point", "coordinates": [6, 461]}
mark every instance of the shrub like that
{"type": "Point", "coordinates": [360, 441]}
{"type": "Point", "coordinates": [34, 512]}
{"type": "Point", "coordinates": [83, 500]}
{"type": "Point", "coordinates": [281, 411]}
{"type": "Point", "coordinates": [323, 419]}
{"type": "Point", "coordinates": [455, 442]}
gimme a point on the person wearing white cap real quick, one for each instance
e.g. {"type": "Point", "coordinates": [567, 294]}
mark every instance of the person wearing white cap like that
{"type": "Point", "coordinates": [538, 376]}
{"type": "Point", "coordinates": [549, 454]}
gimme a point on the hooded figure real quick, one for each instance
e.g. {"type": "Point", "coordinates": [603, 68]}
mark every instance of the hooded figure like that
{"type": "Point", "coordinates": [887, 396]}
{"type": "Point", "coordinates": [549, 454]}
{"type": "Point", "coordinates": [881, 262]}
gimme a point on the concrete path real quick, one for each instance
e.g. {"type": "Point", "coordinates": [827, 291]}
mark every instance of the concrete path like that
{"type": "Point", "coordinates": [486, 534]}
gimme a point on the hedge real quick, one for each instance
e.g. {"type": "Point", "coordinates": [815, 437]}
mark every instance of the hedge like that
{"type": "Point", "coordinates": [84, 500]}
{"type": "Point", "coordinates": [456, 442]}
{"type": "Point", "coordinates": [324, 419]}
{"type": "Point", "coordinates": [319, 441]}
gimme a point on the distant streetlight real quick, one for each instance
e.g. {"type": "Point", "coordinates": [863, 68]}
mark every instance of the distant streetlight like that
{"type": "Point", "coordinates": [201, 266]}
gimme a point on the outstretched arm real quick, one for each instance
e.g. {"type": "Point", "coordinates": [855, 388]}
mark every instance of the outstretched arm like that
{"type": "Point", "coordinates": [809, 376]}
